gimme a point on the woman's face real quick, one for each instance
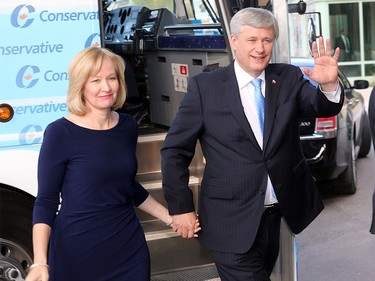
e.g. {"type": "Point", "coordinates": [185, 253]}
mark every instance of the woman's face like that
{"type": "Point", "coordinates": [100, 91]}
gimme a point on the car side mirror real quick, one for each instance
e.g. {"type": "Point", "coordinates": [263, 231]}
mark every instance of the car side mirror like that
{"type": "Point", "coordinates": [361, 84]}
{"type": "Point", "coordinates": [312, 33]}
{"type": "Point", "coordinates": [314, 27]}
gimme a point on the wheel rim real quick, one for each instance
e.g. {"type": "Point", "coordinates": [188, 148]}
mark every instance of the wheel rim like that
{"type": "Point", "coordinates": [14, 261]}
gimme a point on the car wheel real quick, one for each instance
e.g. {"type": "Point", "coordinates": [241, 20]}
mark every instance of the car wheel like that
{"type": "Point", "coordinates": [15, 234]}
{"type": "Point", "coordinates": [347, 181]}
{"type": "Point", "coordinates": [366, 137]}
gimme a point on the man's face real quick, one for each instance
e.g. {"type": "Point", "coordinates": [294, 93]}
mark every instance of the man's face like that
{"type": "Point", "coordinates": [253, 48]}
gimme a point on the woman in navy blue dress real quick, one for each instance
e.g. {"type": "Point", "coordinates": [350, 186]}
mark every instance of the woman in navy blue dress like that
{"type": "Point", "coordinates": [84, 212]}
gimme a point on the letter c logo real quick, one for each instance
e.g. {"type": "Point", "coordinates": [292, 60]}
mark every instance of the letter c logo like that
{"type": "Point", "coordinates": [25, 75]}
{"type": "Point", "coordinates": [20, 16]}
{"type": "Point", "coordinates": [27, 135]}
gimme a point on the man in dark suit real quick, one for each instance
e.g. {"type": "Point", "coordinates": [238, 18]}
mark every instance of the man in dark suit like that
{"type": "Point", "coordinates": [251, 179]}
{"type": "Point", "coordinates": [371, 115]}
{"type": "Point", "coordinates": [343, 43]}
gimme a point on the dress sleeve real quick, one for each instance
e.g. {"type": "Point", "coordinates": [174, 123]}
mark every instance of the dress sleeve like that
{"type": "Point", "coordinates": [140, 194]}
{"type": "Point", "coordinates": [51, 168]}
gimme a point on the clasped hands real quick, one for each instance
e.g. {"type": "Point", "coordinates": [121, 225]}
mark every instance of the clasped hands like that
{"type": "Point", "coordinates": [186, 225]}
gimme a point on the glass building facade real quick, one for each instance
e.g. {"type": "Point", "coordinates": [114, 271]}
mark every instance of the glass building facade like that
{"type": "Point", "coordinates": [349, 24]}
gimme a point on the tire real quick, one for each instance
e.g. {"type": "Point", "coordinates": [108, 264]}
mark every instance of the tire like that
{"type": "Point", "coordinates": [15, 233]}
{"type": "Point", "coordinates": [347, 181]}
{"type": "Point", "coordinates": [366, 137]}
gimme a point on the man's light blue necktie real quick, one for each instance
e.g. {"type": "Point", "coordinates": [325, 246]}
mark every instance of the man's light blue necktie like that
{"type": "Point", "coordinates": [259, 101]}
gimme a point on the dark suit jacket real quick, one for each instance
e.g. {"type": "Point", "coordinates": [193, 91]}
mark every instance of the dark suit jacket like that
{"type": "Point", "coordinates": [344, 55]}
{"type": "Point", "coordinates": [235, 177]}
{"type": "Point", "coordinates": [371, 114]}
{"type": "Point", "coordinates": [339, 42]}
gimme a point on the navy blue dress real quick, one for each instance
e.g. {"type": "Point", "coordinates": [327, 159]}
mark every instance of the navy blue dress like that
{"type": "Point", "coordinates": [96, 234]}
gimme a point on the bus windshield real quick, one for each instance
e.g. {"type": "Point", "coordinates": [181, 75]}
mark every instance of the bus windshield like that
{"type": "Point", "coordinates": [201, 11]}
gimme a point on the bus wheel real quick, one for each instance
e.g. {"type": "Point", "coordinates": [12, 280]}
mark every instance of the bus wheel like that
{"type": "Point", "coordinates": [15, 233]}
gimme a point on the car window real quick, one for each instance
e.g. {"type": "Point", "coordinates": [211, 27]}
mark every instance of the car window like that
{"type": "Point", "coordinates": [308, 78]}
{"type": "Point", "coordinates": [344, 80]}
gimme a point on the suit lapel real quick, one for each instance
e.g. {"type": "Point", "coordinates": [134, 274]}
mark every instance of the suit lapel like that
{"type": "Point", "coordinates": [234, 102]}
{"type": "Point", "coordinates": [272, 93]}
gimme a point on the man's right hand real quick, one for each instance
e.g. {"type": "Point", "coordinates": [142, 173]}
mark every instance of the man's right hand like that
{"type": "Point", "coordinates": [186, 225]}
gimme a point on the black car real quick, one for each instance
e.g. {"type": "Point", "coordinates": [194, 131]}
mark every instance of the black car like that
{"type": "Point", "coordinates": [332, 145]}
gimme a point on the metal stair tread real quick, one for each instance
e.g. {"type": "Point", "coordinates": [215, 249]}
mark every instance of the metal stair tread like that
{"type": "Point", "coordinates": [157, 229]}
{"type": "Point", "coordinates": [200, 273]}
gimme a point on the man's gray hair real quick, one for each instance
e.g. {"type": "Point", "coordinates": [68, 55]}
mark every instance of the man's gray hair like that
{"type": "Point", "coordinates": [254, 17]}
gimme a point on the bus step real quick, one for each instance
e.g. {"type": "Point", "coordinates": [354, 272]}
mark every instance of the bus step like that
{"type": "Point", "coordinates": [198, 273]}
{"type": "Point", "coordinates": [157, 229]}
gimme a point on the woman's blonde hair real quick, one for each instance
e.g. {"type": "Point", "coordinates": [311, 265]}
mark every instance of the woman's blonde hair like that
{"type": "Point", "coordinates": [86, 64]}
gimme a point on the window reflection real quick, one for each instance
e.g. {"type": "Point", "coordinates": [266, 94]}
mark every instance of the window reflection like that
{"type": "Point", "coordinates": [369, 30]}
{"type": "Point", "coordinates": [369, 69]}
{"type": "Point", "coordinates": [351, 70]}
{"type": "Point", "coordinates": [344, 23]}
